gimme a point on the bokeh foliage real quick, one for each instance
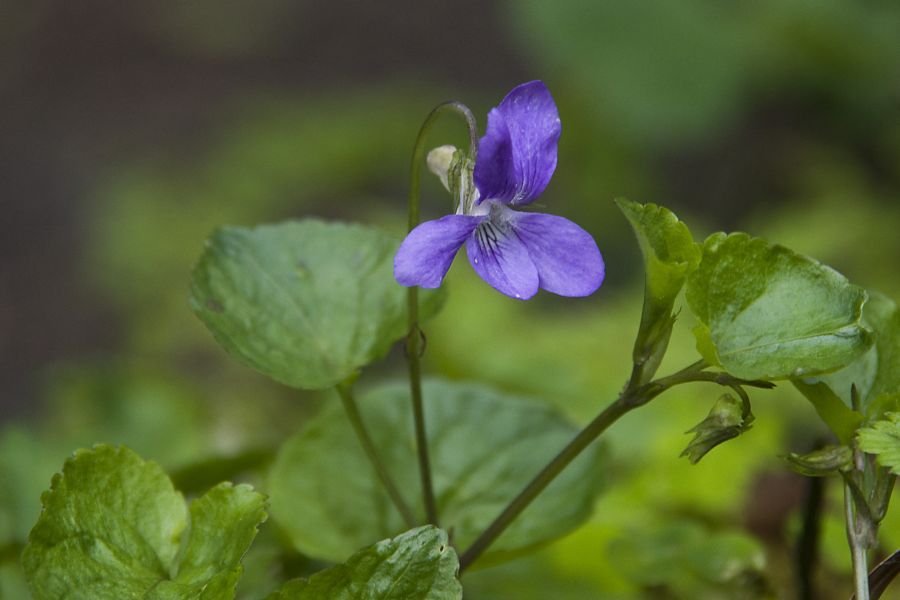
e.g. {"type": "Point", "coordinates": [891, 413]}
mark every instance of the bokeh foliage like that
{"type": "Point", "coordinates": [776, 117]}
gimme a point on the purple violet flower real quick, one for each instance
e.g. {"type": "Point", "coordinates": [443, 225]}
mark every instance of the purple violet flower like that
{"type": "Point", "coordinates": [515, 252]}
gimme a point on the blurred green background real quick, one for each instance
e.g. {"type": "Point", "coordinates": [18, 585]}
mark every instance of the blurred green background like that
{"type": "Point", "coordinates": [128, 131]}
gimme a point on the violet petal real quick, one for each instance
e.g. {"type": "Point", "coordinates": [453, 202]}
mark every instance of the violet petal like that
{"type": "Point", "coordinates": [517, 155]}
{"type": "Point", "coordinates": [427, 252]}
{"type": "Point", "coordinates": [567, 259]}
{"type": "Point", "coordinates": [500, 258]}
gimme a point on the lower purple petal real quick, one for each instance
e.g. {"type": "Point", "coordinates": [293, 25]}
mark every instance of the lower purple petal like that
{"type": "Point", "coordinates": [427, 252]}
{"type": "Point", "coordinates": [567, 259]}
{"type": "Point", "coordinates": [500, 258]}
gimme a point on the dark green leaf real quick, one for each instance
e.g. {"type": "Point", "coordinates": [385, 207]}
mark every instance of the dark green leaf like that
{"type": "Point", "coordinates": [825, 461]}
{"type": "Point", "coordinates": [484, 446]}
{"type": "Point", "coordinates": [114, 527]}
{"type": "Point", "coordinates": [770, 313]}
{"type": "Point", "coordinates": [727, 419]}
{"type": "Point", "coordinates": [670, 254]}
{"type": "Point", "coordinates": [417, 565]}
{"type": "Point", "coordinates": [882, 439]}
{"type": "Point", "coordinates": [307, 303]}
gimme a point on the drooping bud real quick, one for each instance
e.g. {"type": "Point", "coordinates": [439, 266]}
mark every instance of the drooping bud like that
{"type": "Point", "coordinates": [439, 161]}
{"type": "Point", "coordinates": [728, 419]}
{"type": "Point", "coordinates": [825, 461]}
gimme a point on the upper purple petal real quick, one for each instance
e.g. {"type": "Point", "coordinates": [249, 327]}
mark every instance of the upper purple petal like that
{"type": "Point", "coordinates": [517, 155]}
{"type": "Point", "coordinates": [499, 257]}
{"type": "Point", "coordinates": [567, 259]}
{"type": "Point", "coordinates": [427, 252]}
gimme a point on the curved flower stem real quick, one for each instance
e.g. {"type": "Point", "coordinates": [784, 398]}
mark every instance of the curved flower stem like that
{"type": "Point", "coordinates": [414, 346]}
{"type": "Point", "coordinates": [627, 401]}
{"type": "Point", "coordinates": [345, 391]}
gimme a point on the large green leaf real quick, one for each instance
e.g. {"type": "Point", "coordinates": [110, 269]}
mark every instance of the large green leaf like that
{"type": "Point", "coordinates": [669, 255]}
{"type": "Point", "coordinates": [484, 446]}
{"type": "Point", "coordinates": [876, 374]}
{"type": "Point", "coordinates": [113, 527]}
{"type": "Point", "coordinates": [769, 313]}
{"type": "Point", "coordinates": [306, 302]}
{"type": "Point", "coordinates": [417, 565]}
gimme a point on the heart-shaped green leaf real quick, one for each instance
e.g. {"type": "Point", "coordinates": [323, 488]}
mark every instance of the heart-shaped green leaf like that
{"type": "Point", "coordinates": [113, 527]}
{"type": "Point", "coordinates": [484, 447]}
{"type": "Point", "coordinates": [417, 565]}
{"type": "Point", "coordinates": [769, 313]}
{"type": "Point", "coordinates": [308, 303]}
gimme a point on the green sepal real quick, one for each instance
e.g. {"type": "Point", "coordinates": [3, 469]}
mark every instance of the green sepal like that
{"type": "Point", "coordinates": [417, 565]}
{"type": "Point", "coordinates": [670, 254]}
{"type": "Point", "coordinates": [728, 418]}
{"type": "Point", "coordinates": [829, 460]}
{"type": "Point", "coordinates": [460, 182]}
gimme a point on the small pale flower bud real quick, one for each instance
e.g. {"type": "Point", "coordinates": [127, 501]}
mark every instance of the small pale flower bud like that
{"type": "Point", "coordinates": [439, 161]}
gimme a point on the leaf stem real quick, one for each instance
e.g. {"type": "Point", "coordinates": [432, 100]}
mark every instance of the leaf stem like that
{"type": "Point", "coordinates": [632, 397]}
{"type": "Point", "coordinates": [857, 547]}
{"type": "Point", "coordinates": [591, 432]}
{"type": "Point", "coordinates": [414, 347]}
{"type": "Point", "coordinates": [345, 391]}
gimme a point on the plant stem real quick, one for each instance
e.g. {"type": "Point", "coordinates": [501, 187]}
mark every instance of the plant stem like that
{"type": "Point", "coordinates": [415, 394]}
{"type": "Point", "coordinates": [414, 337]}
{"type": "Point", "coordinates": [695, 373]}
{"type": "Point", "coordinates": [624, 403]}
{"type": "Point", "coordinates": [345, 391]}
{"type": "Point", "coordinates": [632, 397]}
{"type": "Point", "coordinates": [857, 548]}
